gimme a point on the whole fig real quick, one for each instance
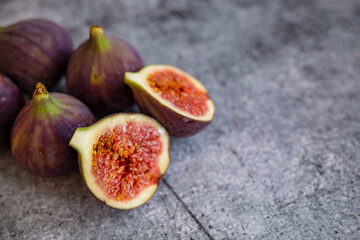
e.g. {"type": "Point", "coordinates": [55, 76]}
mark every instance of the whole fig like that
{"type": "Point", "coordinates": [34, 50]}
{"type": "Point", "coordinates": [11, 102]}
{"type": "Point", "coordinates": [42, 132]}
{"type": "Point", "coordinates": [95, 73]}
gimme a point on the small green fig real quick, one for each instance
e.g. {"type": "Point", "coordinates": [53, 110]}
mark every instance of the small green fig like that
{"type": "Point", "coordinates": [42, 132]}
{"type": "Point", "coordinates": [95, 73]}
{"type": "Point", "coordinates": [34, 50]}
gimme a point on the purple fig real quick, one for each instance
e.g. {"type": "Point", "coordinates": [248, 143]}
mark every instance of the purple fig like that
{"type": "Point", "coordinates": [95, 73]}
{"type": "Point", "coordinates": [11, 102]}
{"type": "Point", "coordinates": [32, 51]}
{"type": "Point", "coordinates": [173, 97]}
{"type": "Point", "coordinates": [43, 129]}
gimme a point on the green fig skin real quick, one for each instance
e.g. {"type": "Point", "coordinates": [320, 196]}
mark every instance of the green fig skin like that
{"type": "Point", "coordinates": [95, 73]}
{"type": "Point", "coordinates": [34, 50]}
{"type": "Point", "coordinates": [43, 129]}
{"type": "Point", "coordinates": [11, 102]}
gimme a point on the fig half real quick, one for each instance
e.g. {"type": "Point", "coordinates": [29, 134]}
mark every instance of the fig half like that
{"type": "Point", "coordinates": [122, 158]}
{"type": "Point", "coordinates": [173, 97]}
{"type": "Point", "coordinates": [43, 129]}
{"type": "Point", "coordinates": [95, 73]}
{"type": "Point", "coordinates": [34, 50]}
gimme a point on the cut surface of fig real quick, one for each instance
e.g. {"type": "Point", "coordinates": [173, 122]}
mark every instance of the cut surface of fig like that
{"type": "Point", "coordinates": [178, 90]}
{"type": "Point", "coordinates": [122, 158]}
{"type": "Point", "coordinates": [175, 98]}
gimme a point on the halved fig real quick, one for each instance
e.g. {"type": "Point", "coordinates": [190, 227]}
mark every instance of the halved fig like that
{"type": "Point", "coordinates": [122, 158]}
{"type": "Point", "coordinates": [173, 97]}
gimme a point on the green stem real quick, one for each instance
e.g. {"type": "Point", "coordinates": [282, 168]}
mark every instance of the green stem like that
{"type": "Point", "coordinates": [98, 39]}
{"type": "Point", "coordinates": [40, 92]}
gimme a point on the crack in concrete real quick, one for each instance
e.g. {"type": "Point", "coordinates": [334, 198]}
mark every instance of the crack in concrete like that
{"type": "Point", "coordinates": [192, 215]}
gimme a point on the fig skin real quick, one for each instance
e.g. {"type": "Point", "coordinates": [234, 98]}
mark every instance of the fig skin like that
{"type": "Point", "coordinates": [84, 140]}
{"type": "Point", "coordinates": [95, 73]}
{"type": "Point", "coordinates": [11, 102]}
{"type": "Point", "coordinates": [176, 122]}
{"type": "Point", "coordinates": [43, 129]}
{"type": "Point", "coordinates": [34, 50]}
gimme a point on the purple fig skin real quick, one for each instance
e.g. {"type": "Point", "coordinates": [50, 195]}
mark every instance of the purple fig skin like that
{"type": "Point", "coordinates": [43, 130]}
{"type": "Point", "coordinates": [11, 102]}
{"type": "Point", "coordinates": [34, 50]}
{"type": "Point", "coordinates": [175, 124]}
{"type": "Point", "coordinates": [95, 72]}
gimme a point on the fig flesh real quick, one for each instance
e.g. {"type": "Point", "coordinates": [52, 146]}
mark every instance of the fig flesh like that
{"type": "Point", "coordinates": [173, 97]}
{"type": "Point", "coordinates": [122, 158]}
{"type": "Point", "coordinates": [95, 73]}
{"type": "Point", "coordinates": [11, 102]}
{"type": "Point", "coordinates": [43, 129]}
{"type": "Point", "coordinates": [34, 50]}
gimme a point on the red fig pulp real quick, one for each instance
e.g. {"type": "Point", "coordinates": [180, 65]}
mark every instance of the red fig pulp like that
{"type": "Point", "coordinates": [32, 51]}
{"type": "Point", "coordinates": [95, 73]}
{"type": "Point", "coordinates": [122, 158]}
{"type": "Point", "coordinates": [42, 132]}
{"type": "Point", "coordinates": [173, 97]}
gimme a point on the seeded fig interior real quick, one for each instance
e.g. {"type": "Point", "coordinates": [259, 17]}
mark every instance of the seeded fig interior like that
{"type": "Point", "coordinates": [178, 89]}
{"type": "Point", "coordinates": [127, 154]}
{"type": "Point", "coordinates": [176, 99]}
{"type": "Point", "coordinates": [122, 158]}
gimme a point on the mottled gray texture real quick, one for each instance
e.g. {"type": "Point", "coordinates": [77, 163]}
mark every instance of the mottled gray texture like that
{"type": "Point", "coordinates": [281, 159]}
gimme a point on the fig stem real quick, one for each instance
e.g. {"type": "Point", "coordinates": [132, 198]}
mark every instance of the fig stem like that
{"type": "Point", "coordinates": [40, 92]}
{"type": "Point", "coordinates": [98, 38]}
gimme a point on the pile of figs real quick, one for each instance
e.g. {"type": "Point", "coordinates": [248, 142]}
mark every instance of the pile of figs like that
{"type": "Point", "coordinates": [121, 156]}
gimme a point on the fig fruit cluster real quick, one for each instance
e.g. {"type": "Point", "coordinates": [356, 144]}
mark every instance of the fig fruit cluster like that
{"type": "Point", "coordinates": [122, 156]}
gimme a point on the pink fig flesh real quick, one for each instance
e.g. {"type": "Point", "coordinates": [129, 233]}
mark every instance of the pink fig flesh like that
{"type": "Point", "coordinates": [173, 97]}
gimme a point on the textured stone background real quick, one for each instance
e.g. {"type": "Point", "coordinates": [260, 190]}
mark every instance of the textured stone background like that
{"type": "Point", "coordinates": [281, 159]}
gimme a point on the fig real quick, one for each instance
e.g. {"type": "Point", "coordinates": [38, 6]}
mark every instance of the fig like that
{"type": "Point", "coordinates": [122, 158]}
{"type": "Point", "coordinates": [173, 97]}
{"type": "Point", "coordinates": [34, 50]}
{"type": "Point", "coordinates": [43, 129]}
{"type": "Point", "coordinates": [95, 73]}
{"type": "Point", "coordinates": [11, 102]}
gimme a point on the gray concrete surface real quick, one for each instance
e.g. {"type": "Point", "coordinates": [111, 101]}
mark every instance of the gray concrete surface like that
{"type": "Point", "coordinates": [281, 159]}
